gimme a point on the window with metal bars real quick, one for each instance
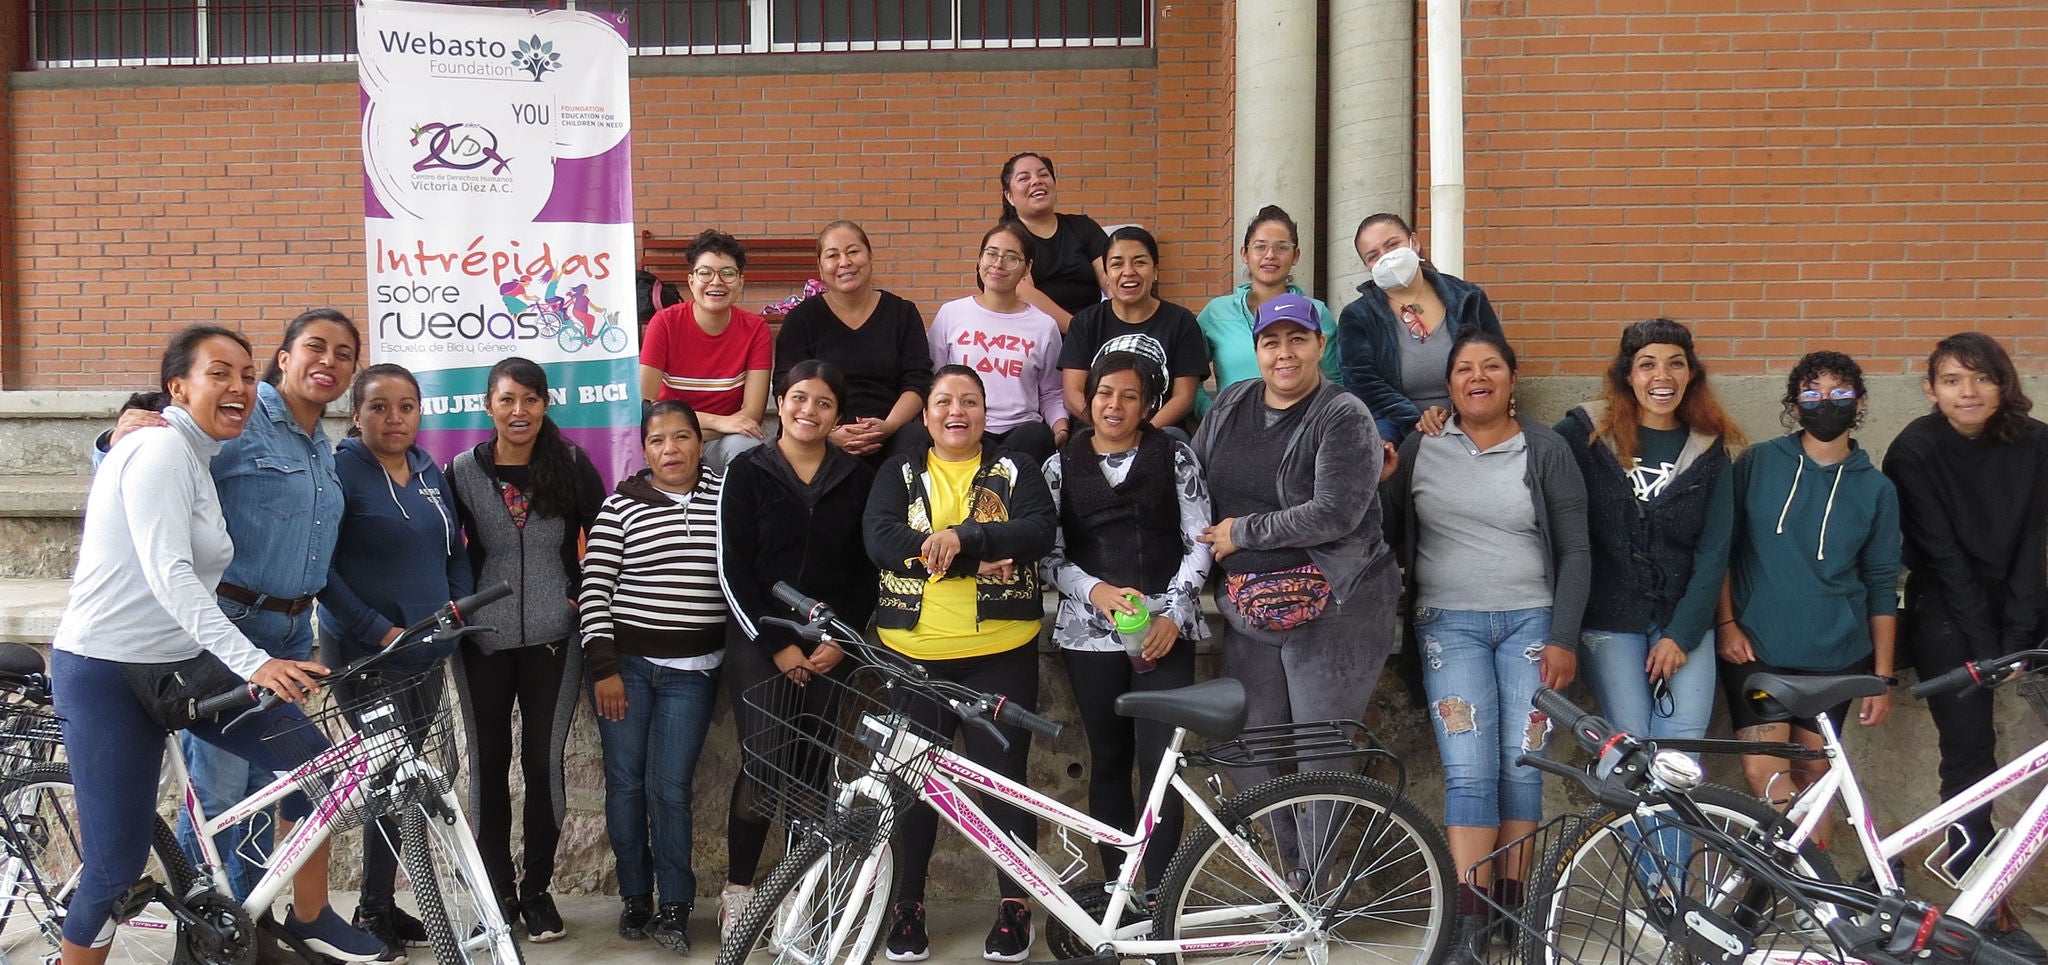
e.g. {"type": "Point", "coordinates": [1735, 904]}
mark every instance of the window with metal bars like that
{"type": "Point", "coordinates": [105, 33]}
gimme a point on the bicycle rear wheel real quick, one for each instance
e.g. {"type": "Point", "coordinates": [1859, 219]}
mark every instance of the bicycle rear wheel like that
{"type": "Point", "coordinates": [1362, 859]}
{"type": "Point", "coordinates": [40, 861]}
{"type": "Point", "coordinates": [1610, 887]}
{"type": "Point", "coordinates": [464, 921]}
{"type": "Point", "coordinates": [822, 904]}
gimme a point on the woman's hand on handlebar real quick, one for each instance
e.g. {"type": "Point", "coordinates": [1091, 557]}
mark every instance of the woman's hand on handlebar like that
{"type": "Point", "coordinates": [289, 679]}
{"type": "Point", "coordinates": [790, 660]}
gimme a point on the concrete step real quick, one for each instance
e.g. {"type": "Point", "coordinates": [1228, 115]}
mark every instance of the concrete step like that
{"type": "Point", "coordinates": [29, 609]}
{"type": "Point", "coordinates": [39, 525]}
{"type": "Point", "coordinates": [46, 433]}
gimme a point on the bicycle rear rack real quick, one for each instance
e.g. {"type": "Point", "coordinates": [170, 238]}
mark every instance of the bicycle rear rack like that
{"type": "Point", "coordinates": [1274, 744]}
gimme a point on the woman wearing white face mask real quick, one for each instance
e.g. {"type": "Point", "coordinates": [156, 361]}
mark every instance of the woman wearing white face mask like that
{"type": "Point", "coordinates": [1395, 340]}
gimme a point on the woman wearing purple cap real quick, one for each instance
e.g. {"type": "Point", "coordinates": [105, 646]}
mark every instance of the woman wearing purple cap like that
{"type": "Point", "coordinates": [1309, 584]}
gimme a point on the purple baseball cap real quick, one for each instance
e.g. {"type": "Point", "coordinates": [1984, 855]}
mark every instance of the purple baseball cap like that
{"type": "Point", "coordinates": [1286, 308]}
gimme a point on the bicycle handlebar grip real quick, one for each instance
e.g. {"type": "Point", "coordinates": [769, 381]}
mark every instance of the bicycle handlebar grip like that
{"type": "Point", "coordinates": [1010, 713]}
{"type": "Point", "coordinates": [1956, 679]}
{"type": "Point", "coordinates": [804, 606]}
{"type": "Point", "coordinates": [1591, 731]}
{"type": "Point", "coordinates": [240, 698]}
{"type": "Point", "coordinates": [476, 601]}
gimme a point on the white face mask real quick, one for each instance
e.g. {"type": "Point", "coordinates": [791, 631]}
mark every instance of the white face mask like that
{"type": "Point", "coordinates": [1396, 269]}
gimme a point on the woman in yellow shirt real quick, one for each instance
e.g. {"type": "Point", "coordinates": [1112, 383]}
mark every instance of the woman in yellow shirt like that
{"type": "Point", "coordinates": [958, 529]}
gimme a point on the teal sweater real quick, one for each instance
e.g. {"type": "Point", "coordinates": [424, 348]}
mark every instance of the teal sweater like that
{"type": "Point", "coordinates": [1816, 554]}
{"type": "Point", "coordinates": [1227, 327]}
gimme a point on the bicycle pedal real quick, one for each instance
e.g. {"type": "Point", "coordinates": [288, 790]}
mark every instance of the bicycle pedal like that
{"type": "Point", "coordinates": [137, 897]}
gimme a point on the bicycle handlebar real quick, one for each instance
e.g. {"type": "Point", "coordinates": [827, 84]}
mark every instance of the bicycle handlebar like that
{"type": "Point", "coordinates": [1978, 673]}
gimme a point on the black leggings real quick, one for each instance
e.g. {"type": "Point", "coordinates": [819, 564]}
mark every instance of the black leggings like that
{"type": "Point", "coordinates": [1013, 673]}
{"type": "Point", "coordinates": [416, 705]}
{"type": "Point", "coordinates": [1117, 744]}
{"type": "Point", "coordinates": [759, 709]}
{"type": "Point", "coordinates": [543, 681]}
{"type": "Point", "coordinates": [1968, 740]}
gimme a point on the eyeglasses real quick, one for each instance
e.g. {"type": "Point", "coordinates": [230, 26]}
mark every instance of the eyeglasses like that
{"type": "Point", "coordinates": [1007, 259]}
{"type": "Point", "coordinates": [728, 273]}
{"type": "Point", "coordinates": [1841, 395]}
{"type": "Point", "coordinates": [1282, 248]}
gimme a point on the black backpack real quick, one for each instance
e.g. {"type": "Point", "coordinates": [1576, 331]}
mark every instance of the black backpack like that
{"type": "Point", "coordinates": [654, 294]}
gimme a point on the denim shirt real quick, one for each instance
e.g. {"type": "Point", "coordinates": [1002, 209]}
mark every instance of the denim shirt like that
{"type": "Point", "coordinates": [282, 500]}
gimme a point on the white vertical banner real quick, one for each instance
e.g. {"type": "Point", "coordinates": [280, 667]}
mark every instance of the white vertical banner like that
{"type": "Point", "coordinates": [497, 197]}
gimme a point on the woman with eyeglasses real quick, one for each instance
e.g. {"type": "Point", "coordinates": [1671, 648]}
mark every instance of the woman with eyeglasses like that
{"type": "Point", "coordinates": [1661, 507]}
{"type": "Point", "coordinates": [874, 338]}
{"type": "Point", "coordinates": [710, 353]}
{"type": "Point", "coordinates": [1272, 248]}
{"type": "Point", "coordinates": [1395, 339]}
{"type": "Point", "coordinates": [1067, 272]}
{"type": "Point", "coordinates": [1814, 579]}
{"type": "Point", "coordinates": [1014, 345]}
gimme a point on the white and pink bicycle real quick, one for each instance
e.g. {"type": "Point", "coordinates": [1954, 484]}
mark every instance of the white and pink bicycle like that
{"type": "Point", "coordinates": [1329, 866]}
{"type": "Point", "coordinates": [1668, 870]}
{"type": "Point", "coordinates": [389, 753]}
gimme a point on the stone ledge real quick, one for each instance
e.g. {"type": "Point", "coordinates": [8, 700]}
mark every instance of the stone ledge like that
{"type": "Point", "coordinates": [30, 609]}
{"type": "Point", "coordinates": [44, 496]}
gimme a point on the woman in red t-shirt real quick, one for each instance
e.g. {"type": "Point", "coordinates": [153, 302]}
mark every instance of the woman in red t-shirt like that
{"type": "Point", "coordinates": [710, 353]}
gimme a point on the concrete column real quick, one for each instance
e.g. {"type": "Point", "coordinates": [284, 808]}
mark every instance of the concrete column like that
{"type": "Point", "coordinates": [1447, 136]}
{"type": "Point", "coordinates": [1276, 119]}
{"type": "Point", "coordinates": [1372, 130]}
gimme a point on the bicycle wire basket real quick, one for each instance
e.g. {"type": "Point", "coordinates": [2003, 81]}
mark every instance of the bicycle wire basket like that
{"type": "Point", "coordinates": [803, 745]}
{"type": "Point", "coordinates": [364, 731]}
{"type": "Point", "coordinates": [30, 733]}
{"type": "Point", "coordinates": [1605, 888]}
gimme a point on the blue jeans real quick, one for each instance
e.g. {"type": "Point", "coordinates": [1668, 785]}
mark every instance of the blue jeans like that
{"type": "Point", "coordinates": [222, 779]}
{"type": "Point", "coordinates": [1481, 670]}
{"type": "Point", "coordinates": [1613, 665]}
{"type": "Point", "coordinates": [649, 760]}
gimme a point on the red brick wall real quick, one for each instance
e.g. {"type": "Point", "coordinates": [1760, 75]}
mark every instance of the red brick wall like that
{"type": "Point", "coordinates": [13, 38]}
{"type": "Point", "coordinates": [1867, 178]}
{"type": "Point", "coordinates": [145, 209]}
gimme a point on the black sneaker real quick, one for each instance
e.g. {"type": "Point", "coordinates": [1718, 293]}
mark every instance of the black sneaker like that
{"type": "Point", "coordinates": [907, 939]}
{"type": "Point", "coordinates": [543, 922]}
{"type": "Point", "coordinates": [390, 923]}
{"type": "Point", "coordinates": [1011, 937]}
{"type": "Point", "coordinates": [669, 926]}
{"type": "Point", "coordinates": [634, 917]}
{"type": "Point", "coordinates": [1470, 946]}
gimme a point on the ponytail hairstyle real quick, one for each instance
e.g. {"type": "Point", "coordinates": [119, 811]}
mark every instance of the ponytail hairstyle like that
{"type": "Point", "coordinates": [1016, 230]}
{"type": "Point", "coordinates": [554, 476]}
{"type": "Point", "coordinates": [274, 373]}
{"type": "Point", "coordinates": [1698, 410]}
{"type": "Point", "coordinates": [1274, 214]}
{"type": "Point", "coordinates": [1009, 168]}
{"type": "Point", "coordinates": [1979, 352]}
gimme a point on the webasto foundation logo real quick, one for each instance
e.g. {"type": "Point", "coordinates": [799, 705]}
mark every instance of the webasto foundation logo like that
{"type": "Point", "coordinates": [476, 57]}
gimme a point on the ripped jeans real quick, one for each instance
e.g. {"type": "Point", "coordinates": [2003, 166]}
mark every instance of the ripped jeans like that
{"type": "Point", "coordinates": [1481, 670]}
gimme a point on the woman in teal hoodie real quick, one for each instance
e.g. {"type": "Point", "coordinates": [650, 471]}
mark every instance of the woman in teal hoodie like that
{"type": "Point", "coordinates": [1813, 579]}
{"type": "Point", "coordinates": [1272, 247]}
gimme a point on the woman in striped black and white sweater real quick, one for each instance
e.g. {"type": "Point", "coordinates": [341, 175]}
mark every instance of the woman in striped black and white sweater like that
{"type": "Point", "coordinates": [653, 621]}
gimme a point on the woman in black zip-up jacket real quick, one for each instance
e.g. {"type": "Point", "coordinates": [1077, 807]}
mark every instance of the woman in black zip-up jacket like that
{"type": "Point", "coordinates": [524, 497]}
{"type": "Point", "coordinates": [792, 513]}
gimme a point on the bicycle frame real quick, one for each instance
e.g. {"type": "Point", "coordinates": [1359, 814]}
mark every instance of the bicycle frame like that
{"type": "Point", "coordinates": [951, 774]}
{"type": "Point", "coordinates": [1994, 872]}
{"type": "Point", "coordinates": [352, 761]}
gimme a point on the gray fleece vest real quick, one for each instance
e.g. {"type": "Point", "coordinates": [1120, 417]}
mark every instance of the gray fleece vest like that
{"type": "Point", "coordinates": [528, 559]}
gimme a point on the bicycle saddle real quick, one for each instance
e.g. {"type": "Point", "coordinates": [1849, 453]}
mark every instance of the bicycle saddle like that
{"type": "Point", "coordinates": [20, 658]}
{"type": "Point", "coordinates": [1214, 709]}
{"type": "Point", "coordinates": [1804, 698]}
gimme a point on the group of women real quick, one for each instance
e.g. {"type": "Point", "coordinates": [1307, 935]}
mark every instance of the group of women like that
{"type": "Point", "coordinates": [932, 482]}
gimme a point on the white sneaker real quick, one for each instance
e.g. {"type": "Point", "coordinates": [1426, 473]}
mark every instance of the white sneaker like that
{"type": "Point", "coordinates": [731, 901]}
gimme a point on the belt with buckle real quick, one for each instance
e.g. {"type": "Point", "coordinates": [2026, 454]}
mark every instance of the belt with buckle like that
{"type": "Point", "coordinates": [275, 604]}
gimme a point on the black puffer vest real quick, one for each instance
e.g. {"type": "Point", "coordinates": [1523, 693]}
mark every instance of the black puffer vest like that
{"type": "Point", "coordinates": [1642, 552]}
{"type": "Point", "coordinates": [1126, 535]}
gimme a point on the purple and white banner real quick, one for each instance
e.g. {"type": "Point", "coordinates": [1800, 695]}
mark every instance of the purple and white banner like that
{"type": "Point", "coordinates": [497, 200]}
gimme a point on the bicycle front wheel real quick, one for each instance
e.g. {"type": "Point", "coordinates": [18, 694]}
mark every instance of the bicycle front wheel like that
{"type": "Point", "coordinates": [39, 873]}
{"type": "Point", "coordinates": [1364, 861]}
{"type": "Point", "coordinates": [1608, 887]}
{"type": "Point", "coordinates": [464, 921]}
{"type": "Point", "coordinates": [823, 904]}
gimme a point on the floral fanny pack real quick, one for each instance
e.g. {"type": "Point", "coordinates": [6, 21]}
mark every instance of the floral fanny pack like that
{"type": "Point", "coordinates": [1280, 600]}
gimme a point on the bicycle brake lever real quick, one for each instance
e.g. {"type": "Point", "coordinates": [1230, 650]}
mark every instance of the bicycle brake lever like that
{"type": "Point", "coordinates": [263, 704]}
{"type": "Point", "coordinates": [978, 716]}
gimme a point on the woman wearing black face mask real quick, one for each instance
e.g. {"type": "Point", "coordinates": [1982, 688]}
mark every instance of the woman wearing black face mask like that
{"type": "Point", "coordinates": [1813, 579]}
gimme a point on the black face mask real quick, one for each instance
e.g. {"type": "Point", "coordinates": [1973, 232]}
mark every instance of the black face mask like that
{"type": "Point", "coordinates": [1827, 421]}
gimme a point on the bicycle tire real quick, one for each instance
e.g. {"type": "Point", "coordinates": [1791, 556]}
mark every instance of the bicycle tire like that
{"type": "Point", "coordinates": [42, 860]}
{"type": "Point", "coordinates": [1397, 911]}
{"type": "Point", "coordinates": [1578, 916]}
{"type": "Point", "coordinates": [457, 904]}
{"type": "Point", "coordinates": [814, 887]}
{"type": "Point", "coordinates": [613, 338]}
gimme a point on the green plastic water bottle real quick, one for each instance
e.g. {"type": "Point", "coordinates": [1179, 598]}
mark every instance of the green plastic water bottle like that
{"type": "Point", "coordinates": [1130, 631]}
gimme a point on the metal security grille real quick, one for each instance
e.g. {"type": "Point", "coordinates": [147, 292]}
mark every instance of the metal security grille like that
{"type": "Point", "coordinates": [108, 33]}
